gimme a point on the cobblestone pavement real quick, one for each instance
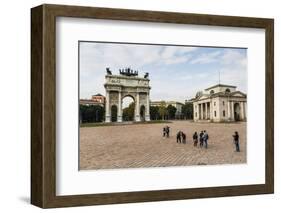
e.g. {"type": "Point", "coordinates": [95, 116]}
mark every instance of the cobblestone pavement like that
{"type": "Point", "coordinates": [142, 145]}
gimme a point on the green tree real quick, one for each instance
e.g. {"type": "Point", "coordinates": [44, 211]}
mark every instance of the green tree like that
{"type": "Point", "coordinates": [187, 110]}
{"type": "Point", "coordinates": [128, 112]}
{"type": "Point", "coordinates": [162, 110]}
{"type": "Point", "coordinates": [171, 111]}
{"type": "Point", "coordinates": [92, 113]}
{"type": "Point", "coordinates": [154, 112]}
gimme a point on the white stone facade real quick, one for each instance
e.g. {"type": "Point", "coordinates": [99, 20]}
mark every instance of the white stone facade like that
{"type": "Point", "coordinates": [118, 87]}
{"type": "Point", "coordinates": [220, 103]}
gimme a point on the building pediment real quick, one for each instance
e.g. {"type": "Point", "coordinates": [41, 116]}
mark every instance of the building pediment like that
{"type": "Point", "coordinates": [238, 94]}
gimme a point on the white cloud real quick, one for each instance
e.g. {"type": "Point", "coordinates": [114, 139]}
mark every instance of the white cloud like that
{"type": "Point", "coordinates": [206, 58]}
{"type": "Point", "coordinates": [174, 72]}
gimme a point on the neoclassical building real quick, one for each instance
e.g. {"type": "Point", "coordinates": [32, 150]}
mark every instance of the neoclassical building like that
{"type": "Point", "coordinates": [220, 103]}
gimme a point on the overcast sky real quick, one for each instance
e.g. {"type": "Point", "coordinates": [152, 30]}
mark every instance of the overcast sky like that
{"type": "Point", "coordinates": [175, 72]}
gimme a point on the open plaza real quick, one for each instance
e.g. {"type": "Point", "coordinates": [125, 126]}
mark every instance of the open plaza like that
{"type": "Point", "coordinates": [142, 145]}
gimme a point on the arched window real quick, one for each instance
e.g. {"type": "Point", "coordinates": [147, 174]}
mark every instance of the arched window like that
{"type": "Point", "coordinates": [227, 90]}
{"type": "Point", "coordinates": [212, 92]}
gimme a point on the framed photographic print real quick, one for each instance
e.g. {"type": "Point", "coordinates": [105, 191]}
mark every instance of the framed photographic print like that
{"type": "Point", "coordinates": [136, 106]}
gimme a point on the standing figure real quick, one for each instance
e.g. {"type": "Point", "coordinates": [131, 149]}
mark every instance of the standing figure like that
{"type": "Point", "coordinates": [201, 139]}
{"type": "Point", "coordinates": [179, 137]}
{"type": "Point", "coordinates": [167, 131]}
{"type": "Point", "coordinates": [164, 131]}
{"type": "Point", "coordinates": [236, 141]}
{"type": "Point", "coordinates": [195, 139]}
{"type": "Point", "coordinates": [183, 138]}
{"type": "Point", "coordinates": [205, 138]}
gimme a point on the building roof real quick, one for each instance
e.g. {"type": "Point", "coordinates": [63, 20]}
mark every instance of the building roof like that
{"type": "Point", "coordinates": [220, 85]}
{"type": "Point", "coordinates": [219, 94]}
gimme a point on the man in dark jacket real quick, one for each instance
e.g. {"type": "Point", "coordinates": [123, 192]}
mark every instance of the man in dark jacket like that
{"type": "Point", "coordinates": [205, 138]}
{"type": "Point", "coordinates": [164, 131]}
{"type": "Point", "coordinates": [236, 141]}
{"type": "Point", "coordinates": [167, 131]}
{"type": "Point", "coordinates": [201, 139]}
{"type": "Point", "coordinates": [183, 138]}
{"type": "Point", "coordinates": [195, 139]}
{"type": "Point", "coordinates": [179, 137]}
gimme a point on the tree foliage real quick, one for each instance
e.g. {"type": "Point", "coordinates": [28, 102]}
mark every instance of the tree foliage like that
{"type": "Point", "coordinates": [171, 111]}
{"type": "Point", "coordinates": [128, 112]}
{"type": "Point", "coordinates": [187, 110]}
{"type": "Point", "coordinates": [154, 112]}
{"type": "Point", "coordinates": [162, 110]}
{"type": "Point", "coordinates": [90, 114]}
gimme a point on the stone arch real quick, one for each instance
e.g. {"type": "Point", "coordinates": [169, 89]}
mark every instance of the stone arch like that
{"type": "Point", "coordinates": [120, 86]}
{"type": "Point", "coordinates": [128, 112]}
{"type": "Point", "coordinates": [128, 95]}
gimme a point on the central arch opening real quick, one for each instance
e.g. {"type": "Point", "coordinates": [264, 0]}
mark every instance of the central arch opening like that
{"type": "Point", "coordinates": [128, 107]}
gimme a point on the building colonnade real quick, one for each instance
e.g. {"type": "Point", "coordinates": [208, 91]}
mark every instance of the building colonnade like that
{"type": "Point", "coordinates": [231, 110]}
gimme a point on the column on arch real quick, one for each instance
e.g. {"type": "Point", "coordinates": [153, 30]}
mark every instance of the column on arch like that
{"type": "Point", "coordinates": [147, 108]}
{"type": "Point", "coordinates": [137, 108]}
{"type": "Point", "coordinates": [119, 115]}
{"type": "Point", "coordinates": [107, 107]}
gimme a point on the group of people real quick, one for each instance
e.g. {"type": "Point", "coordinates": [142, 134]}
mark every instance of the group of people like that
{"type": "Point", "coordinates": [202, 138]}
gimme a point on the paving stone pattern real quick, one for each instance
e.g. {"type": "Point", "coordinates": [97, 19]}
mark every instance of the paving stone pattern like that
{"type": "Point", "coordinates": [142, 145]}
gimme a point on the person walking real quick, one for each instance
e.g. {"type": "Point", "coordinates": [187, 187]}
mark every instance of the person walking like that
{"type": "Point", "coordinates": [236, 141]}
{"type": "Point", "coordinates": [201, 139]}
{"type": "Point", "coordinates": [183, 138]}
{"type": "Point", "coordinates": [205, 138]}
{"type": "Point", "coordinates": [167, 131]}
{"type": "Point", "coordinates": [195, 139]}
{"type": "Point", "coordinates": [179, 137]}
{"type": "Point", "coordinates": [164, 131]}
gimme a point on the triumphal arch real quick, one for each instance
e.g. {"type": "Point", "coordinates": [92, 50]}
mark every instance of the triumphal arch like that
{"type": "Point", "coordinates": [127, 83]}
